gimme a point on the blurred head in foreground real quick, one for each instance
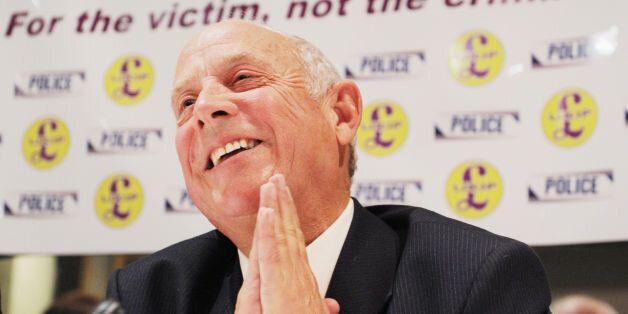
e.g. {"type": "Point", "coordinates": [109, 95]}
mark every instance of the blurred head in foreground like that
{"type": "Point", "coordinates": [581, 304]}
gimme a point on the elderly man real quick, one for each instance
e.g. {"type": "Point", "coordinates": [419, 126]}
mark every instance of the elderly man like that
{"type": "Point", "coordinates": [264, 137]}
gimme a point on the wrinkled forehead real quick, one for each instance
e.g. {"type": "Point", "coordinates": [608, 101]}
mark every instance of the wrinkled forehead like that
{"type": "Point", "coordinates": [235, 41]}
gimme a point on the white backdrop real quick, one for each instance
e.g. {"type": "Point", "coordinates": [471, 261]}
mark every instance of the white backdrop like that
{"type": "Point", "coordinates": [508, 115]}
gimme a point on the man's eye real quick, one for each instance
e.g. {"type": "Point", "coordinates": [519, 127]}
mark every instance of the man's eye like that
{"type": "Point", "coordinates": [188, 102]}
{"type": "Point", "coordinates": [241, 77]}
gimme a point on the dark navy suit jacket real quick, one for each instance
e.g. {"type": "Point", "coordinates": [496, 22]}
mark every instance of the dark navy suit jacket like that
{"type": "Point", "coordinates": [396, 259]}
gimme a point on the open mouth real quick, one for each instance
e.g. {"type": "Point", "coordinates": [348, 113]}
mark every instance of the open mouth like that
{"type": "Point", "coordinates": [221, 154]}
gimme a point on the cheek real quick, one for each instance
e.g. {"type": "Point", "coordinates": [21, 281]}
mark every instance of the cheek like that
{"type": "Point", "coordinates": [183, 141]}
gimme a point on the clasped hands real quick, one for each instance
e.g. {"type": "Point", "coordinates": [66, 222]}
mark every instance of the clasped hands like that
{"type": "Point", "coordinates": [279, 278]}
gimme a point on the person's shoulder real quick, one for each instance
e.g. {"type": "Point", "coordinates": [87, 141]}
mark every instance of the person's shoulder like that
{"type": "Point", "coordinates": [176, 277]}
{"type": "Point", "coordinates": [434, 240]}
{"type": "Point", "coordinates": [211, 250]}
{"type": "Point", "coordinates": [440, 239]}
{"type": "Point", "coordinates": [458, 267]}
{"type": "Point", "coordinates": [410, 220]}
{"type": "Point", "coordinates": [401, 215]}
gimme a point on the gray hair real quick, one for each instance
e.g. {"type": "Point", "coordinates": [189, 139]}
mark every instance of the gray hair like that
{"type": "Point", "coordinates": [321, 76]}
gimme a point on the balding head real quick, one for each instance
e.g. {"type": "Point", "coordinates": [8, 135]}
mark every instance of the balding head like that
{"type": "Point", "coordinates": [321, 74]}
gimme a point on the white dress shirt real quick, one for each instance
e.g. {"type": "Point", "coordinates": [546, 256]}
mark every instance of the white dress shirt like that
{"type": "Point", "coordinates": [323, 252]}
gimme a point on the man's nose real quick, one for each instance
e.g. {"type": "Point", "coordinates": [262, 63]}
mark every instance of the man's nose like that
{"type": "Point", "coordinates": [210, 109]}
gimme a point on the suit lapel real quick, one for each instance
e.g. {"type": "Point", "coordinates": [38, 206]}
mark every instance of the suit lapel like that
{"type": "Point", "coordinates": [235, 283]}
{"type": "Point", "coordinates": [363, 277]}
{"type": "Point", "coordinates": [228, 294]}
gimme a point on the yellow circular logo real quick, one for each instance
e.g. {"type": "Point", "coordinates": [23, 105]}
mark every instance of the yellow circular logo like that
{"type": "Point", "coordinates": [46, 143]}
{"type": "Point", "coordinates": [129, 79]}
{"type": "Point", "coordinates": [476, 58]}
{"type": "Point", "coordinates": [119, 200]}
{"type": "Point", "coordinates": [474, 189]}
{"type": "Point", "coordinates": [384, 128]}
{"type": "Point", "coordinates": [570, 117]}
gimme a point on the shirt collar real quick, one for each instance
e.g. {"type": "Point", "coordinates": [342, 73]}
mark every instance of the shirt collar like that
{"type": "Point", "coordinates": [323, 252]}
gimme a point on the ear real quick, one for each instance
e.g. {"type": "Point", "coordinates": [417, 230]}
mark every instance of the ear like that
{"type": "Point", "coordinates": [347, 107]}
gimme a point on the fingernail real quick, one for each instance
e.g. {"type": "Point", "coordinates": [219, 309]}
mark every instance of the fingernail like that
{"type": "Point", "coordinates": [269, 187]}
{"type": "Point", "coordinates": [279, 180]}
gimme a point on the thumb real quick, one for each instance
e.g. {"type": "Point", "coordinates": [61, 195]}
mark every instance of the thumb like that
{"type": "Point", "coordinates": [332, 306]}
{"type": "Point", "coordinates": [249, 296]}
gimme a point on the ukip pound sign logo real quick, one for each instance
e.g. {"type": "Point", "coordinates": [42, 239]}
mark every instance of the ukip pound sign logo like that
{"type": "Point", "coordinates": [384, 128]}
{"type": "Point", "coordinates": [119, 200]}
{"type": "Point", "coordinates": [474, 189]}
{"type": "Point", "coordinates": [476, 58]}
{"type": "Point", "coordinates": [570, 117]}
{"type": "Point", "coordinates": [46, 143]}
{"type": "Point", "coordinates": [129, 79]}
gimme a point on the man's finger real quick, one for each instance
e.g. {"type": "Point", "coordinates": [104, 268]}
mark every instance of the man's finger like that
{"type": "Point", "coordinates": [268, 199]}
{"type": "Point", "coordinates": [249, 300]}
{"type": "Point", "coordinates": [268, 196]}
{"type": "Point", "coordinates": [249, 297]}
{"type": "Point", "coordinates": [268, 253]}
{"type": "Point", "coordinates": [252, 277]}
{"type": "Point", "coordinates": [285, 201]}
{"type": "Point", "coordinates": [290, 218]}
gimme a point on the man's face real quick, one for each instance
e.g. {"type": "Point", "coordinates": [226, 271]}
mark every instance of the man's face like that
{"type": "Point", "coordinates": [241, 84]}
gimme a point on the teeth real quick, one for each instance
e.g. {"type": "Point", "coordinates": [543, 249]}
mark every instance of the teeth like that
{"type": "Point", "coordinates": [217, 154]}
{"type": "Point", "coordinates": [230, 147]}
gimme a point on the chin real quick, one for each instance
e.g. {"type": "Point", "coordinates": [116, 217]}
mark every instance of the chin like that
{"type": "Point", "coordinates": [238, 202]}
{"type": "Point", "coordinates": [233, 196]}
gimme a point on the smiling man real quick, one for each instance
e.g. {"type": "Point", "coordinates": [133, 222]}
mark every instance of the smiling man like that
{"type": "Point", "coordinates": [265, 128]}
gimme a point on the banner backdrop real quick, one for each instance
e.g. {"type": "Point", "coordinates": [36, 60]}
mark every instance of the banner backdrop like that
{"type": "Point", "coordinates": [509, 115]}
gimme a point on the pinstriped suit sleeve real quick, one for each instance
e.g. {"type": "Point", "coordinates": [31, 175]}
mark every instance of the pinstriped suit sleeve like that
{"type": "Point", "coordinates": [112, 286]}
{"type": "Point", "coordinates": [447, 266]}
{"type": "Point", "coordinates": [510, 280]}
